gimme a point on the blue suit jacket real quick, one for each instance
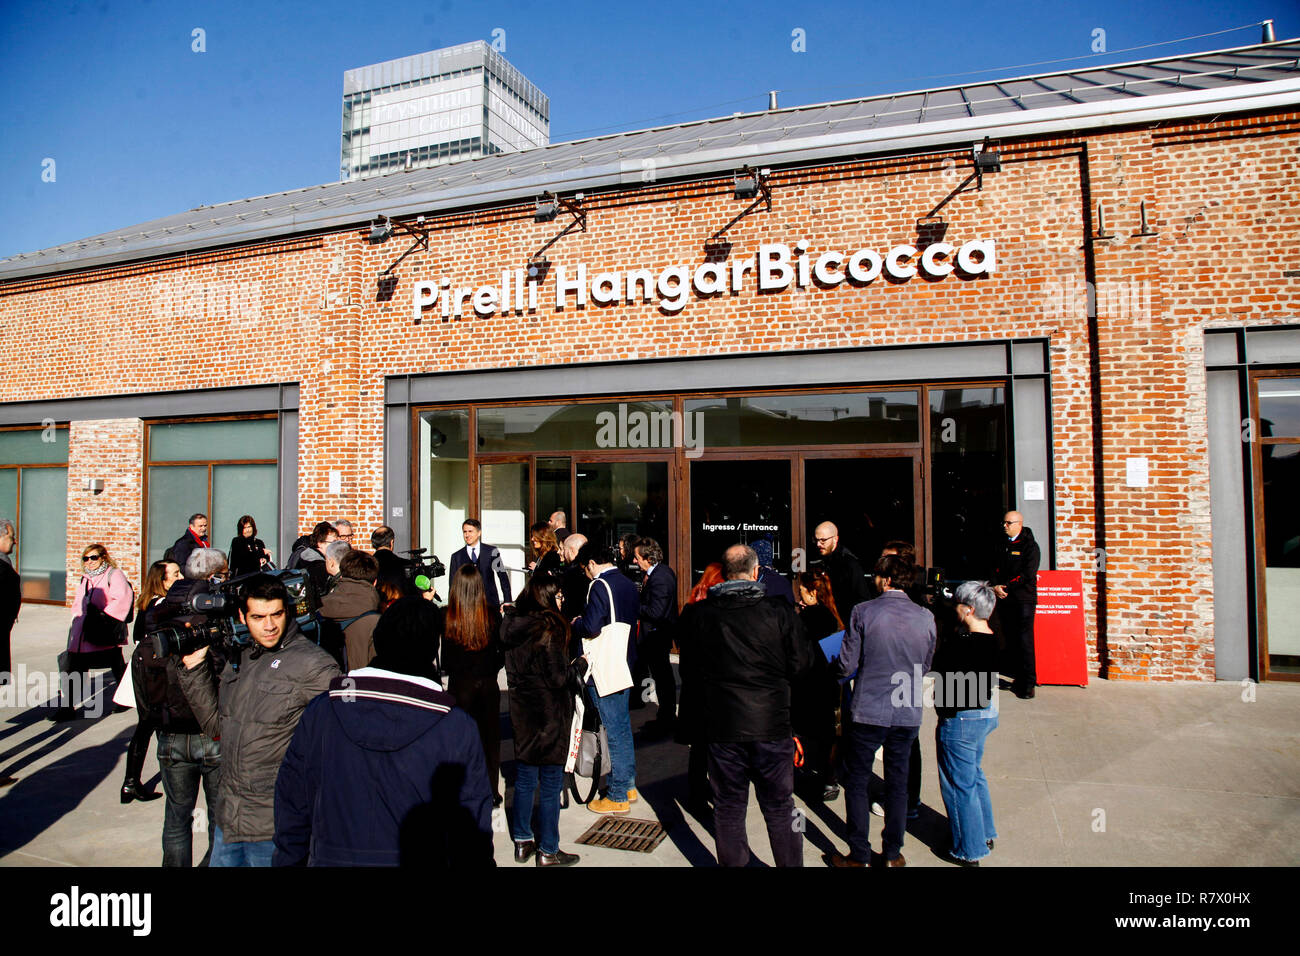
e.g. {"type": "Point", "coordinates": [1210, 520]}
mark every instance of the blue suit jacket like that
{"type": "Point", "coordinates": [889, 642]}
{"type": "Point", "coordinates": [486, 558]}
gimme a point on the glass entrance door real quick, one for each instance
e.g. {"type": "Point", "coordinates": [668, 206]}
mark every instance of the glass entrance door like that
{"type": "Point", "coordinates": [503, 510]}
{"type": "Point", "coordinates": [1278, 535]}
{"type": "Point", "coordinates": [870, 500]}
{"type": "Point", "coordinates": [615, 498]}
{"type": "Point", "coordinates": [744, 501]}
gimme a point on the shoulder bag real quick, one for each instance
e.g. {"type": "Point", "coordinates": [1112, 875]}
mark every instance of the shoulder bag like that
{"type": "Point", "coordinates": [606, 653]}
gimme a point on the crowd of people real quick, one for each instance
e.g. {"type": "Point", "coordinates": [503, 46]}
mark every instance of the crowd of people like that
{"type": "Point", "coordinates": [370, 733]}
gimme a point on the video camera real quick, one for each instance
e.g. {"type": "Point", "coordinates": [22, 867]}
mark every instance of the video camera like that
{"type": "Point", "coordinates": [420, 572]}
{"type": "Point", "coordinates": [216, 607]}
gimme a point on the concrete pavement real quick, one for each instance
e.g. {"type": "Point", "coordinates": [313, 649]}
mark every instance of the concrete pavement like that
{"type": "Point", "coordinates": [1115, 774]}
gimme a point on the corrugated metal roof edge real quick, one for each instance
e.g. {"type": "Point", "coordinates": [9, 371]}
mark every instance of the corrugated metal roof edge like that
{"type": "Point", "coordinates": [821, 146]}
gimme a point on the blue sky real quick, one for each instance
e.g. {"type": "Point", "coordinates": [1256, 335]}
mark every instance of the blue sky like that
{"type": "Point", "coordinates": [141, 126]}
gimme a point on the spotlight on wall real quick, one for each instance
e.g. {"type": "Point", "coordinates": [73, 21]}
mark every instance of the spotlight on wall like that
{"type": "Point", "coordinates": [380, 230]}
{"type": "Point", "coordinates": [547, 208]}
{"type": "Point", "coordinates": [95, 485]}
{"type": "Point", "coordinates": [748, 183]}
{"type": "Point", "coordinates": [986, 160]}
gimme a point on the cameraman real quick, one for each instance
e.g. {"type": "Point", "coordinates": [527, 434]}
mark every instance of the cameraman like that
{"type": "Point", "coordinates": [254, 715]}
{"type": "Point", "coordinates": [393, 569]}
{"type": "Point", "coordinates": [187, 757]}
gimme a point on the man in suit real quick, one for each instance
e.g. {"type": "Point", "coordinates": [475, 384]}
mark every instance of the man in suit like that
{"type": "Point", "coordinates": [658, 617]}
{"type": "Point", "coordinates": [1016, 585]}
{"type": "Point", "coordinates": [484, 557]}
{"type": "Point", "coordinates": [888, 639]}
{"type": "Point", "coordinates": [195, 536]}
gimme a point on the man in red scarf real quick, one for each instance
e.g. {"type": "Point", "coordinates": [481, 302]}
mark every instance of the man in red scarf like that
{"type": "Point", "coordinates": [195, 536]}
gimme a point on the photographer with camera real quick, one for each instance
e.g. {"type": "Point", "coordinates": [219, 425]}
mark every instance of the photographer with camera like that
{"type": "Point", "coordinates": [187, 756]}
{"type": "Point", "coordinates": [394, 570]}
{"type": "Point", "coordinates": [254, 715]}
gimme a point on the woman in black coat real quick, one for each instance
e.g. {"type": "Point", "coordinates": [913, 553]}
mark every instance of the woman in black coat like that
{"type": "Point", "coordinates": [471, 658]}
{"type": "Point", "coordinates": [546, 551]}
{"type": "Point", "coordinates": [248, 554]}
{"type": "Point", "coordinates": [536, 640]}
{"type": "Point", "coordinates": [815, 695]}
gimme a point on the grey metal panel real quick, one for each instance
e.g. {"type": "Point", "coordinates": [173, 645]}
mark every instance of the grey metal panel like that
{"type": "Point", "coordinates": [1228, 527]}
{"type": "Point", "coordinates": [1221, 347]}
{"type": "Point", "coordinates": [1031, 448]}
{"type": "Point", "coordinates": [1027, 358]}
{"type": "Point", "coordinates": [819, 368]}
{"type": "Point", "coordinates": [397, 473]}
{"type": "Point", "coordinates": [288, 485]}
{"type": "Point", "coordinates": [1270, 346]}
{"type": "Point", "coordinates": [213, 401]}
{"type": "Point", "coordinates": [818, 131]}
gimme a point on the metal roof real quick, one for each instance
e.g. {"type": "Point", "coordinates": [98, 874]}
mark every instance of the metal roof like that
{"type": "Point", "coordinates": [1233, 80]}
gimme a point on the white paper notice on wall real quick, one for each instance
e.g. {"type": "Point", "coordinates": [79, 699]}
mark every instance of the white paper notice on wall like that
{"type": "Point", "coordinates": [399, 512]}
{"type": "Point", "coordinates": [1034, 491]}
{"type": "Point", "coordinates": [336, 482]}
{"type": "Point", "coordinates": [1138, 473]}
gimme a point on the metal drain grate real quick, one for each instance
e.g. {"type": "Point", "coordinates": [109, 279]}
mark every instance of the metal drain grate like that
{"type": "Point", "coordinates": [624, 833]}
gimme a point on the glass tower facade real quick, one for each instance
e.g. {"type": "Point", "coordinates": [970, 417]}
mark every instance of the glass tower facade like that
{"type": "Point", "coordinates": [432, 108]}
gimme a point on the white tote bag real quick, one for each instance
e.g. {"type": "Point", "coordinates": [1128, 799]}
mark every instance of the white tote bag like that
{"type": "Point", "coordinates": [606, 653]}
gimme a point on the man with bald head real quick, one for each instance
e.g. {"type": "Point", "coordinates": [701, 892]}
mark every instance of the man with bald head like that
{"type": "Point", "coordinates": [849, 584]}
{"type": "Point", "coordinates": [745, 648]}
{"type": "Point", "coordinates": [573, 579]}
{"type": "Point", "coordinates": [1015, 580]}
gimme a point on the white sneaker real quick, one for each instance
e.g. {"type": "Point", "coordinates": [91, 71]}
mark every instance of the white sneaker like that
{"type": "Point", "coordinates": [877, 809]}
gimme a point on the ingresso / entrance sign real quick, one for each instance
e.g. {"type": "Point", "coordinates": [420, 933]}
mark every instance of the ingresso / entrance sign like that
{"type": "Point", "coordinates": [776, 266]}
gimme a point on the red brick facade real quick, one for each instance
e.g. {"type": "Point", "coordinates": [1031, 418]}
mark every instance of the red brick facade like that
{"type": "Point", "coordinates": [1220, 196]}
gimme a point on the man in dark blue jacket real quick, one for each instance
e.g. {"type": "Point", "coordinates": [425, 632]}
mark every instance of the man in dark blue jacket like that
{"type": "Point", "coordinates": [488, 561]}
{"type": "Point", "coordinates": [383, 769]}
{"type": "Point", "coordinates": [608, 582]}
{"type": "Point", "coordinates": [658, 617]}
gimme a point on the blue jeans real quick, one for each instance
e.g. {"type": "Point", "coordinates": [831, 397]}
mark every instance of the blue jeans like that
{"type": "Point", "coordinates": [186, 760]}
{"type": "Point", "coordinates": [960, 744]}
{"type": "Point", "coordinates": [249, 853]}
{"type": "Point", "coordinates": [548, 818]}
{"type": "Point", "coordinates": [618, 728]}
{"type": "Point", "coordinates": [861, 743]}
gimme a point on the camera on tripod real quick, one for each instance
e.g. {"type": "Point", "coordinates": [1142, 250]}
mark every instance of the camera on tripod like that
{"type": "Point", "coordinates": [420, 572]}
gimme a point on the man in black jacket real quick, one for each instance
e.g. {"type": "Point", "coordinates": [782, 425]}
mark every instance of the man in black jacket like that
{"type": "Point", "coordinates": [746, 647]}
{"type": "Point", "coordinates": [393, 569]}
{"type": "Point", "coordinates": [658, 617]}
{"type": "Point", "coordinates": [195, 536]}
{"type": "Point", "coordinates": [1016, 585]}
{"type": "Point", "coordinates": [849, 585]}
{"type": "Point", "coordinates": [11, 596]}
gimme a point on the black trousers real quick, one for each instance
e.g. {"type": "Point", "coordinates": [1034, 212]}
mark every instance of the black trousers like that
{"type": "Point", "coordinates": [138, 748]}
{"type": "Point", "coordinates": [481, 699]}
{"type": "Point", "coordinates": [82, 663]}
{"type": "Point", "coordinates": [770, 765]}
{"type": "Point", "coordinates": [652, 660]}
{"type": "Point", "coordinates": [1018, 625]}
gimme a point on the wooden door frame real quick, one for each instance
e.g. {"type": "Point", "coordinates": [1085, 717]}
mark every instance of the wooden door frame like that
{"type": "Point", "coordinates": [1257, 498]}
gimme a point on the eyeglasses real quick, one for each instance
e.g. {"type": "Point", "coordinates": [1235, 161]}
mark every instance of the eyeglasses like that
{"type": "Point", "coordinates": [824, 540]}
{"type": "Point", "coordinates": [91, 557]}
{"type": "Point", "coordinates": [1007, 524]}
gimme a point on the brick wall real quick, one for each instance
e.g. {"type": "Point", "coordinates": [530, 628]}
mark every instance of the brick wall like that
{"type": "Point", "coordinates": [111, 450]}
{"type": "Point", "coordinates": [1220, 196]}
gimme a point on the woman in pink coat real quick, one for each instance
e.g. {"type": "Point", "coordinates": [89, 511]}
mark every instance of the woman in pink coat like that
{"type": "Point", "coordinates": [103, 593]}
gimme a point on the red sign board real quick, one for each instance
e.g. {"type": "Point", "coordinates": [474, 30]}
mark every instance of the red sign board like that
{"type": "Point", "coordinates": [1060, 649]}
